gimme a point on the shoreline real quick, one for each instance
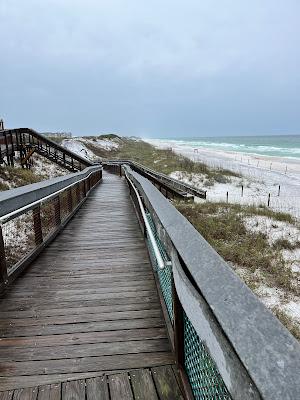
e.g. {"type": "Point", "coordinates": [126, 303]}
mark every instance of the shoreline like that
{"type": "Point", "coordinates": [217, 156]}
{"type": "Point", "coordinates": [261, 175]}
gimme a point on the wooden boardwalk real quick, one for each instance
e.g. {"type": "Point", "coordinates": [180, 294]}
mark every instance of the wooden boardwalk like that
{"type": "Point", "coordinates": [158, 383]}
{"type": "Point", "coordinates": [88, 305]}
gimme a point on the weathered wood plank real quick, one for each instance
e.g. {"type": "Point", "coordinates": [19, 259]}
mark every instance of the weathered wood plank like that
{"type": "Point", "coordinates": [6, 395]}
{"type": "Point", "coordinates": [83, 297]}
{"type": "Point", "coordinates": [73, 319]}
{"type": "Point", "coordinates": [73, 390]}
{"type": "Point", "coordinates": [166, 383]}
{"type": "Point", "coordinates": [35, 313]}
{"type": "Point", "coordinates": [87, 364]}
{"type": "Point", "coordinates": [120, 387]}
{"type": "Point", "coordinates": [84, 350]}
{"type": "Point", "coordinates": [83, 327]}
{"type": "Point", "coordinates": [50, 392]}
{"type": "Point", "coordinates": [26, 394]}
{"type": "Point", "coordinates": [143, 385]}
{"type": "Point", "coordinates": [84, 337]}
{"type": "Point", "coordinates": [97, 388]}
{"type": "Point", "coordinates": [37, 305]}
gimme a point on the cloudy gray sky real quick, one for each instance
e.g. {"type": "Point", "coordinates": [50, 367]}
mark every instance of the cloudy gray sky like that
{"type": "Point", "coordinates": [156, 68]}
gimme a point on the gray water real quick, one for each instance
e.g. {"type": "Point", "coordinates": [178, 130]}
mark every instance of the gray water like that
{"type": "Point", "coordinates": [280, 146]}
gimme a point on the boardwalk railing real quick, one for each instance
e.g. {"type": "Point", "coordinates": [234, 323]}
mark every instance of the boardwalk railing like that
{"type": "Point", "coordinates": [228, 345]}
{"type": "Point", "coordinates": [25, 142]}
{"type": "Point", "coordinates": [168, 186]}
{"type": "Point", "coordinates": [31, 216]}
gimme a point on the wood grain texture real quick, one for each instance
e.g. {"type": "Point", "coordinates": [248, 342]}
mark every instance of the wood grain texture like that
{"type": "Point", "coordinates": [73, 390]}
{"type": "Point", "coordinates": [49, 392]}
{"type": "Point", "coordinates": [87, 305]}
{"type": "Point", "coordinates": [26, 394]}
{"type": "Point", "coordinates": [166, 383]}
{"type": "Point", "coordinates": [120, 387]}
{"type": "Point", "coordinates": [135, 384]}
{"type": "Point", "coordinates": [143, 385]}
{"type": "Point", "coordinates": [97, 388]}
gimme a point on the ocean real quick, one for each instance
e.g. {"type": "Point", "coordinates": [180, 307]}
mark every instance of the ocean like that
{"type": "Point", "coordinates": [280, 146]}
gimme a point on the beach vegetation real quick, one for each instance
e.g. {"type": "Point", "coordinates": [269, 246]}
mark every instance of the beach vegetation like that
{"type": "Point", "coordinates": [167, 161]}
{"type": "Point", "coordinates": [285, 244]}
{"type": "Point", "coordinates": [255, 259]}
{"type": "Point", "coordinates": [17, 176]}
{"type": "Point", "coordinates": [286, 320]}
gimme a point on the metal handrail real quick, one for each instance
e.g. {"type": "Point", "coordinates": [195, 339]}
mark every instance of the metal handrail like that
{"type": "Point", "coordinates": [161, 263]}
{"type": "Point", "coordinates": [15, 213]}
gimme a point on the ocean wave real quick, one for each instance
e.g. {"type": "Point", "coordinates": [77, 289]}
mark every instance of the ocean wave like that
{"type": "Point", "coordinates": [251, 148]}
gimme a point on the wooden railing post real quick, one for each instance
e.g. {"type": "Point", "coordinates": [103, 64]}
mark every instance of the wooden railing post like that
{"type": "Point", "coordinates": [37, 225]}
{"type": "Point", "coordinates": [3, 264]}
{"type": "Point", "coordinates": [70, 200]}
{"type": "Point", "coordinates": [57, 215]}
{"type": "Point", "coordinates": [78, 193]}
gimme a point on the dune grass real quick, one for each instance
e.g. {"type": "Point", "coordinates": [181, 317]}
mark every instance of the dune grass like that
{"type": "Point", "coordinates": [166, 161]}
{"type": "Point", "coordinates": [222, 226]}
{"type": "Point", "coordinates": [18, 176]}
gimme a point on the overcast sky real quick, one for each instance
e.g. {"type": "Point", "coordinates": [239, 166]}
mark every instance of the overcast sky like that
{"type": "Point", "coordinates": [155, 68]}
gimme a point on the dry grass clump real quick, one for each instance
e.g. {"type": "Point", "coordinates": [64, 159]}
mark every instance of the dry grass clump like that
{"type": "Point", "coordinates": [3, 186]}
{"type": "Point", "coordinates": [285, 244]}
{"type": "Point", "coordinates": [292, 326]}
{"type": "Point", "coordinates": [17, 176]}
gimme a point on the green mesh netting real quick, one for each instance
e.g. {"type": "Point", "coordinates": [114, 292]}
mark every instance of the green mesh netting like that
{"type": "Point", "coordinates": [165, 275]}
{"type": "Point", "coordinates": [205, 379]}
{"type": "Point", "coordinates": [206, 382]}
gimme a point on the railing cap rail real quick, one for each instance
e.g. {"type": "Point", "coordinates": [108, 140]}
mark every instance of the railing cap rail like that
{"type": "Point", "coordinates": [270, 354]}
{"type": "Point", "coordinates": [12, 200]}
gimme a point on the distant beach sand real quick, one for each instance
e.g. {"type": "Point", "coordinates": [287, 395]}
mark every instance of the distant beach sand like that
{"type": "Point", "coordinates": [265, 174]}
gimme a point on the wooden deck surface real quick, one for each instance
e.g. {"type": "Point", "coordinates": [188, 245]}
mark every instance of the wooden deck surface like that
{"type": "Point", "coordinates": [159, 383]}
{"type": "Point", "coordinates": [88, 304]}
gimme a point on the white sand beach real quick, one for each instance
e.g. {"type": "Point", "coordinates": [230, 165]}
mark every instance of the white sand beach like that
{"type": "Point", "coordinates": [261, 176]}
